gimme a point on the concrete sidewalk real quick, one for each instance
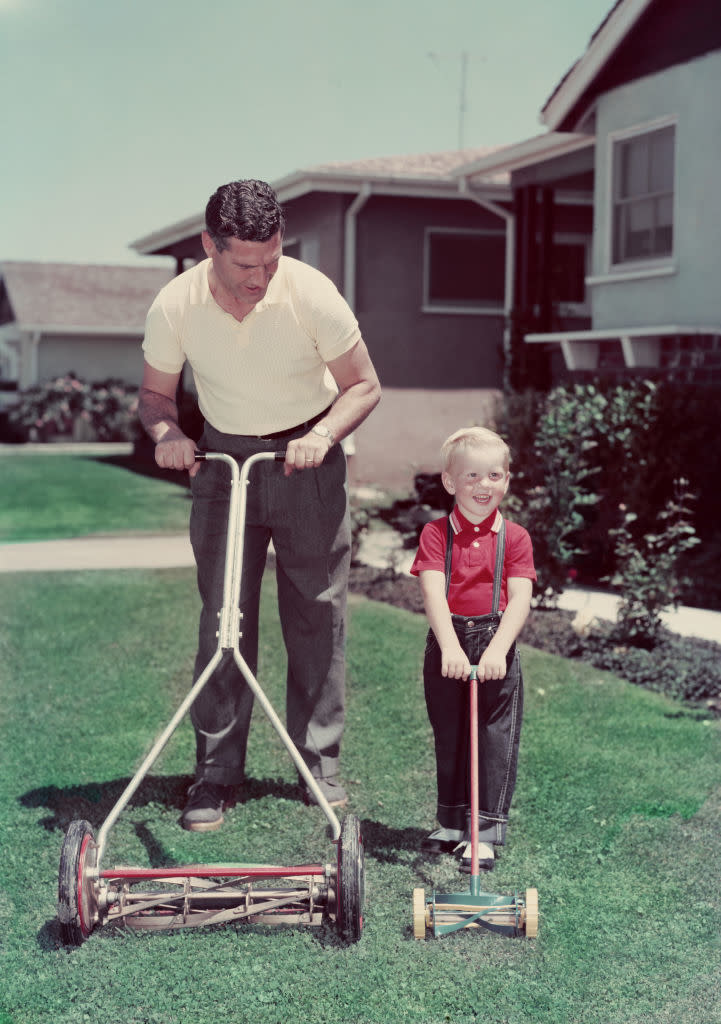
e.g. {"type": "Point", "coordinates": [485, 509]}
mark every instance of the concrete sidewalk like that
{"type": "Point", "coordinates": [132, 551]}
{"type": "Point", "coordinates": [164, 551]}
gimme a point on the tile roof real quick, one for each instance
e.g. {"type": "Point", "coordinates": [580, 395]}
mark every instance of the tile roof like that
{"type": "Point", "coordinates": [416, 165]}
{"type": "Point", "coordinates": [81, 295]}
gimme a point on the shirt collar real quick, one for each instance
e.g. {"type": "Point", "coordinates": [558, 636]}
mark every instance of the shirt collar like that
{"type": "Point", "coordinates": [460, 523]}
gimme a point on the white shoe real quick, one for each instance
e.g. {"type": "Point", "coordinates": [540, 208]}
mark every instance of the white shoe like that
{"type": "Point", "coordinates": [486, 856]}
{"type": "Point", "coordinates": [443, 840]}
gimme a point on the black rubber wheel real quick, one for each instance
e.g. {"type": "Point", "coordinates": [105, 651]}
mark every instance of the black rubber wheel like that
{"type": "Point", "coordinates": [351, 879]}
{"type": "Point", "coordinates": [77, 896]}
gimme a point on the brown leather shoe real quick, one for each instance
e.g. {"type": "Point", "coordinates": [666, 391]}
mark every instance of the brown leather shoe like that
{"type": "Point", "coordinates": [206, 802]}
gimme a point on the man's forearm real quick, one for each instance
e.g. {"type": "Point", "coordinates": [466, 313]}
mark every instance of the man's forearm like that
{"type": "Point", "coordinates": [351, 408]}
{"type": "Point", "coordinates": [158, 415]}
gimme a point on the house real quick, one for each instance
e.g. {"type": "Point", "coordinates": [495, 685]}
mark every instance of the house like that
{"type": "Point", "coordinates": [424, 262]}
{"type": "Point", "coordinates": [57, 318]}
{"type": "Point", "coordinates": [634, 132]}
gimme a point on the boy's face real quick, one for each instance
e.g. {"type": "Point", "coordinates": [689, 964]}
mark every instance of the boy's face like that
{"type": "Point", "coordinates": [478, 478]}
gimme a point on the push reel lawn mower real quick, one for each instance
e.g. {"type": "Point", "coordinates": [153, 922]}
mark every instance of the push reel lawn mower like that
{"type": "Point", "coordinates": [91, 895]}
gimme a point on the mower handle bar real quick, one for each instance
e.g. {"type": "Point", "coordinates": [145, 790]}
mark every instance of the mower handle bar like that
{"type": "Point", "coordinates": [201, 456]}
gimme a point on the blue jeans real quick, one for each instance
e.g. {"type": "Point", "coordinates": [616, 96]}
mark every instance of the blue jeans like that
{"type": "Point", "coordinates": [306, 516]}
{"type": "Point", "coordinates": [500, 709]}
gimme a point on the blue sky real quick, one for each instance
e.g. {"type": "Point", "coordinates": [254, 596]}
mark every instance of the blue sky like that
{"type": "Point", "coordinates": [120, 118]}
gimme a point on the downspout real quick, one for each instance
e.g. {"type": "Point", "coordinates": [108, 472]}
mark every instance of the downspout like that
{"type": "Point", "coordinates": [349, 244]}
{"type": "Point", "coordinates": [510, 220]}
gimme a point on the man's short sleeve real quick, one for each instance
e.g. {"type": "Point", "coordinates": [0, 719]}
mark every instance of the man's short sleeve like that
{"type": "Point", "coordinates": [162, 345]}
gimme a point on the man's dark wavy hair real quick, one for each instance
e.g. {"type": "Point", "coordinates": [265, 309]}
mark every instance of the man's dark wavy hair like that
{"type": "Point", "coordinates": [248, 210]}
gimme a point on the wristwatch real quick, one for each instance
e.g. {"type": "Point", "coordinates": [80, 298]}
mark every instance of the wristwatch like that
{"type": "Point", "coordinates": [322, 431]}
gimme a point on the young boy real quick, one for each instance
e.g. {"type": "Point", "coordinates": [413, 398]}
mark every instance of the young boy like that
{"type": "Point", "coordinates": [465, 629]}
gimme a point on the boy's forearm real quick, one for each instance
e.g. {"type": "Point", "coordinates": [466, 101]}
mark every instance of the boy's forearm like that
{"type": "Point", "coordinates": [512, 622]}
{"type": "Point", "coordinates": [437, 611]}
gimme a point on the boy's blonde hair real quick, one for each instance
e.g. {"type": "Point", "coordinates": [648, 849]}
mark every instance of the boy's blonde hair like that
{"type": "Point", "coordinates": [473, 437]}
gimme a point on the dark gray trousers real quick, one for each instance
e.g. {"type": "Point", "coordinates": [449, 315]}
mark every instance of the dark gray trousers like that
{"type": "Point", "coordinates": [500, 710]}
{"type": "Point", "coordinates": [306, 516]}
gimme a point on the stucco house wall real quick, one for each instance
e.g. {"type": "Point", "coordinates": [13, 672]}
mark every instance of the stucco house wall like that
{"type": "Point", "coordinates": [411, 344]}
{"type": "Point", "coordinates": [315, 222]}
{"type": "Point", "coordinates": [686, 291]}
{"type": "Point", "coordinates": [91, 357]}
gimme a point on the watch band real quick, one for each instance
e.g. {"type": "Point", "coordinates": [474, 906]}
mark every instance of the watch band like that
{"type": "Point", "coordinates": [323, 431]}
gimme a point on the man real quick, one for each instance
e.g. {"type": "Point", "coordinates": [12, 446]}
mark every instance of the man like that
{"type": "Point", "coordinates": [279, 365]}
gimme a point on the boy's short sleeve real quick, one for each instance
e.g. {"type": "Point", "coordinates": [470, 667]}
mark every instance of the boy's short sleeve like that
{"type": "Point", "coordinates": [519, 553]}
{"type": "Point", "coordinates": [431, 552]}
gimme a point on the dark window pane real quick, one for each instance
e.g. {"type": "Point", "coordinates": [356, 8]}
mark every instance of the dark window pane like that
{"type": "Point", "coordinates": [467, 269]}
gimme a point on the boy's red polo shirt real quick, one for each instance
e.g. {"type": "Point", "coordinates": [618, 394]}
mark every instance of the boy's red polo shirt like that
{"type": "Point", "coordinates": [474, 559]}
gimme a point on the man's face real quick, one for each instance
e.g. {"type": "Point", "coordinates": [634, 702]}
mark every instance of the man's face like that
{"type": "Point", "coordinates": [245, 269]}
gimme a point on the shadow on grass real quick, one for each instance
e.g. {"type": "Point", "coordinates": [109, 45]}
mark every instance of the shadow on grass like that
{"type": "Point", "coordinates": [390, 845]}
{"type": "Point", "coordinates": [94, 800]}
{"type": "Point", "coordinates": [142, 462]}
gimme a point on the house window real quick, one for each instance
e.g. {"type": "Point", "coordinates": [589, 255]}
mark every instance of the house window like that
{"type": "Point", "coordinates": [643, 181]}
{"type": "Point", "coordinates": [465, 270]}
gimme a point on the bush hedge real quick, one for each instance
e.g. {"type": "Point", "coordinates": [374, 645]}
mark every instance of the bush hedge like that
{"type": "Point", "coordinates": [69, 407]}
{"type": "Point", "coordinates": [686, 668]}
{"type": "Point", "coordinates": [582, 452]}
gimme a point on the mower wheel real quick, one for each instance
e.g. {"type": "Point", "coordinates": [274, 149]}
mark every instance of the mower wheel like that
{"type": "Point", "coordinates": [531, 913]}
{"type": "Point", "coordinates": [419, 913]}
{"type": "Point", "coordinates": [77, 902]}
{"type": "Point", "coordinates": [351, 879]}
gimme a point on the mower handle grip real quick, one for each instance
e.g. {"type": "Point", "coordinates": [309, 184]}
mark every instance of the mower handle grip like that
{"type": "Point", "coordinates": [200, 456]}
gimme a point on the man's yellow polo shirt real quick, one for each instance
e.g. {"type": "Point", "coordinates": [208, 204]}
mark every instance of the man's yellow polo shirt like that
{"type": "Point", "coordinates": [264, 373]}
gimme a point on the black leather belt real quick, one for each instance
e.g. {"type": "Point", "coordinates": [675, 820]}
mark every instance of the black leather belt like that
{"type": "Point", "coordinates": [292, 430]}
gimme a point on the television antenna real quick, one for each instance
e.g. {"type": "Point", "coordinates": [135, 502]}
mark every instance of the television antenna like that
{"type": "Point", "coordinates": [465, 57]}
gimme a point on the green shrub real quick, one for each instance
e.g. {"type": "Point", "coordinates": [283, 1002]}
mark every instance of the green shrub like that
{"type": "Point", "coordinates": [581, 451]}
{"type": "Point", "coordinates": [69, 407]}
{"type": "Point", "coordinates": [647, 575]}
{"type": "Point", "coordinates": [689, 671]}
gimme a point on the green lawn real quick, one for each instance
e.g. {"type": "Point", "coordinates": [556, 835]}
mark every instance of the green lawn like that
{"type": "Point", "coordinates": [617, 822]}
{"type": "Point", "coordinates": [53, 496]}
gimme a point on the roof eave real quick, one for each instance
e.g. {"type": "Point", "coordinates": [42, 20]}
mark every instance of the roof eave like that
{"type": "Point", "coordinates": [601, 48]}
{"type": "Point", "coordinates": [300, 183]}
{"type": "Point", "coordinates": [164, 237]}
{"type": "Point", "coordinates": [523, 154]}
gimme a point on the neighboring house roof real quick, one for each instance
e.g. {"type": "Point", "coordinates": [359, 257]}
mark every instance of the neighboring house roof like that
{"type": "Point", "coordinates": [415, 166]}
{"type": "Point", "coordinates": [79, 298]}
{"type": "Point", "coordinates": [423, 174]}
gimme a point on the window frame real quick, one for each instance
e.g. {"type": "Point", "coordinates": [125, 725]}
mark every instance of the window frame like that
{"type": "Point", "coordinates": [616, 140]}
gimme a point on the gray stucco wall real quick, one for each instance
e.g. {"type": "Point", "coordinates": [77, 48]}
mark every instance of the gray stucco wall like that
{"type": "Point", "coordinates": [411, 346]}
{"type": "Point", "coordinates": [688, 293]}
{"type": "Point", "coordinates": [92, 358]}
